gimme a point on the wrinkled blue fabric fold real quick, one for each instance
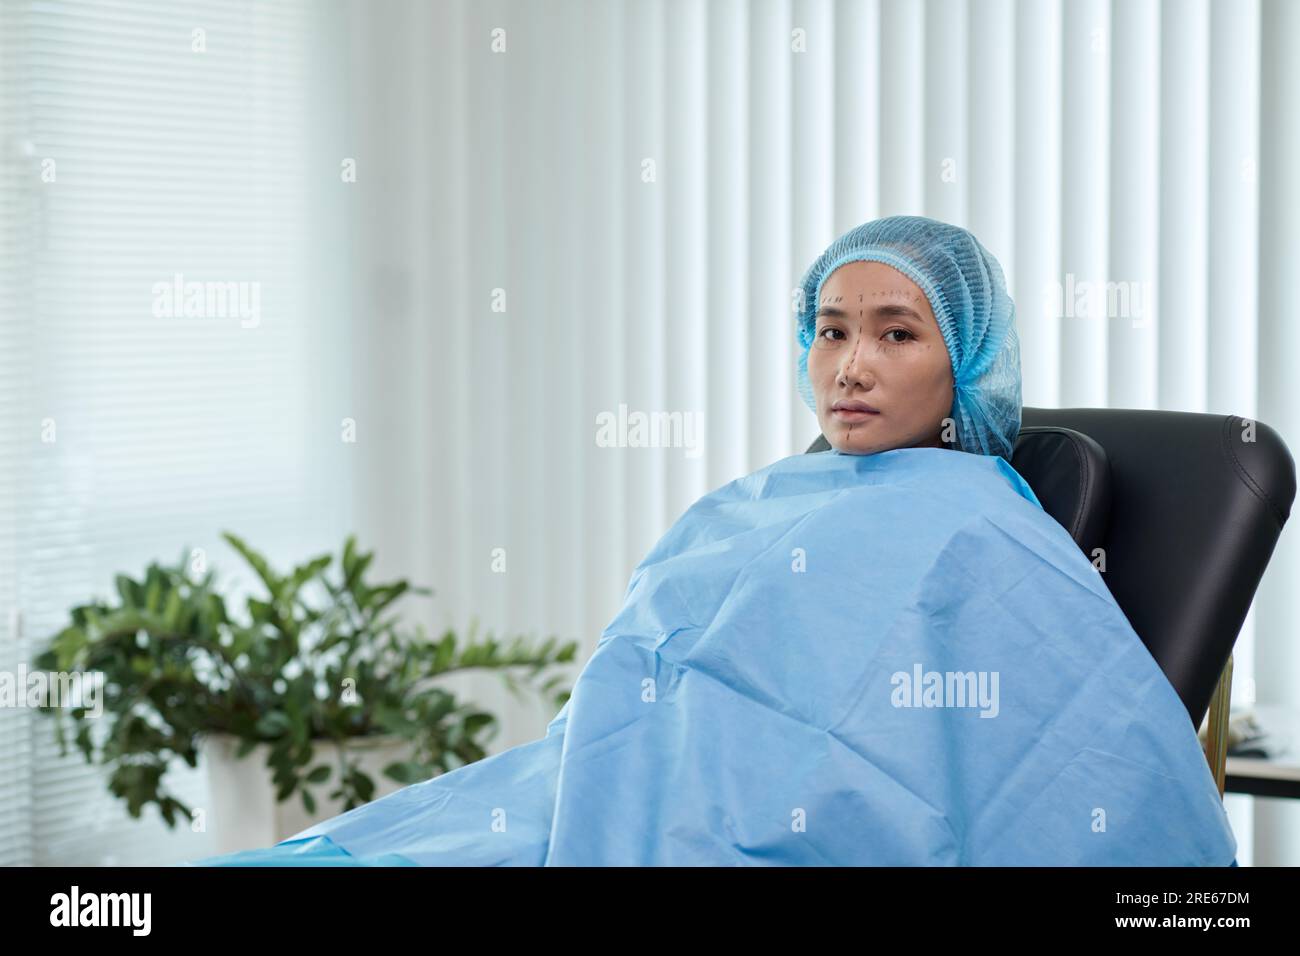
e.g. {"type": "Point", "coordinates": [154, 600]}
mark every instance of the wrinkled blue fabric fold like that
{"type": "Point", "coordinates": [892, 659]}
{"type": "Point", "coordinates": [313, 851]}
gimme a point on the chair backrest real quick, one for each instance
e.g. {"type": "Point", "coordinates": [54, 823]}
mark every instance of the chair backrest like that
{"type": "Point", "coordinates": [1186, 509]}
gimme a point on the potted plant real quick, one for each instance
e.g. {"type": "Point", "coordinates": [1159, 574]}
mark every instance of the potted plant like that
{"type": "Point", "coordinates": [319, 676]}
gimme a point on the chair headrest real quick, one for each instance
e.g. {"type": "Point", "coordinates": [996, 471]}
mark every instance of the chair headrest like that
{"type": "Point", "coordinates": [1070, 474]}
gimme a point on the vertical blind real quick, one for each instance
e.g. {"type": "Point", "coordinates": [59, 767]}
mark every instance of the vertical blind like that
{"type": "Point", "coordinates": [147, 144]}
{"type": "Point", "coordinates": [647, 182]}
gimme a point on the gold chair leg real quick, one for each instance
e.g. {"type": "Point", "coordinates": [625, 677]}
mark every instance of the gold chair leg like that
{"type": "Point", "coordinates": [1216, 735]}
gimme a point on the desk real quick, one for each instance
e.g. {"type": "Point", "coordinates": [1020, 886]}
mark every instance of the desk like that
{"type": "Point", "coordinates": [1277, 775]}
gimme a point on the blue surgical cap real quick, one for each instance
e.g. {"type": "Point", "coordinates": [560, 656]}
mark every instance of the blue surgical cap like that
{"type": "Point", "coordinates": [968, 296]}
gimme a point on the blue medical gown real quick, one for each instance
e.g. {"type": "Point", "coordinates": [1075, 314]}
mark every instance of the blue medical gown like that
{"type": "Point", "coordinates": [890, 659]}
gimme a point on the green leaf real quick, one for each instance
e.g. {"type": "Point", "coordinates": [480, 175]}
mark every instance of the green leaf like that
{"type": "Point", "coordinates": [273, 724]}
{"type": "Point", "coordinates": [446, 653]}
{"type": "Point", "coordinates": [349, 555]}
{"type": "Point", "coordinates": [306, 572]}
{"type": "Point", "coordinates": [364, 786]}
{"type": "Point", "coordinates": [153, 594]}
{"type": "Point", "coordinates": [478, 721]}
{"type": "Point", "coordinates": [273, 581]}
{"type": "Point", "coordinates": [172, 611]}
{"type": "Point", "coordinates": [127, 590]}
{"type": "Point", "coordinates": [286, 785]}
{"type": "Point", "coordinates": [407, 772]}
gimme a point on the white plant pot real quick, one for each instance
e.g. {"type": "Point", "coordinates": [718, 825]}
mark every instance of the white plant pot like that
{"type": "Point", "coordinates": [243, 813]}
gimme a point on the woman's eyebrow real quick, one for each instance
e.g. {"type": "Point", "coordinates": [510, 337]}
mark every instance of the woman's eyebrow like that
{"type": "Point", "coordinates": [890, 310]}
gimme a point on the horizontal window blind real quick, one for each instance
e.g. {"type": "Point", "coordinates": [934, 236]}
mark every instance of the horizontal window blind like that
{"type": "Point", "coordinates": [146, 146]}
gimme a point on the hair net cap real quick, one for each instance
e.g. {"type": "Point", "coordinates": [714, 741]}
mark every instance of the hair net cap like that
{"type": "Point", "coordinates": [968, 295]}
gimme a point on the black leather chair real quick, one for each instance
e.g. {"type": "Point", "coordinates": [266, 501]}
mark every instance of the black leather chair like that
{"type": "Point", "coordinates": [1182, 511]}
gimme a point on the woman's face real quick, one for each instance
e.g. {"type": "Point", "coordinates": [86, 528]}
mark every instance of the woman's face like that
{"type": "Point", "coordinates": [877, 345]}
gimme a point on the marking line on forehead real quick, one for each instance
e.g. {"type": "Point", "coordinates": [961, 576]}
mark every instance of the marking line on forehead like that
{"type": "Point", "coordinates": [892, 293]}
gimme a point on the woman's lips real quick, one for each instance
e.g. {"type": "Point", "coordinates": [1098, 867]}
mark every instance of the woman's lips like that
{"type": "Point", "coordinates": [853, 415]}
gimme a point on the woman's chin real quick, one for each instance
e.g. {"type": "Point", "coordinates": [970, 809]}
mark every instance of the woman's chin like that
{"type": "Point", "coordinates": [850, 440]}
{"type": "Point", "coordinates": [847, 446]}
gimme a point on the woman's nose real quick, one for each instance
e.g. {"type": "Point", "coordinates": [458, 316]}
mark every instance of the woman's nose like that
{"type": "Point", "coordinates": [854, 366]}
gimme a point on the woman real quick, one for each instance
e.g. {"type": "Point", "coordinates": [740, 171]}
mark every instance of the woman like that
{"type": "Point", "coordinates": [883, 654]}
{"type": "Point", "coordinates": [868, 328]}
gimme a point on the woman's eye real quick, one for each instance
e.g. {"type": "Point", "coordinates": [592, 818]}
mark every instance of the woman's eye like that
{"type": "Point", "coordinates": [906, 335]}
{"type": "Point", "coordinates": [822, 334]}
